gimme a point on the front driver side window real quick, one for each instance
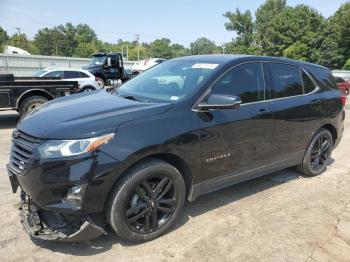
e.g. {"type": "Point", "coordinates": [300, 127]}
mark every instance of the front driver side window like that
{"type": "Point", "coordinates": [245, 81]}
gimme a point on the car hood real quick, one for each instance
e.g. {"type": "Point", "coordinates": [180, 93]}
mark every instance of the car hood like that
{"type": "Point", "coordinates": [91, 67]}
{"type": "Point", "coordinates": [86, 115]}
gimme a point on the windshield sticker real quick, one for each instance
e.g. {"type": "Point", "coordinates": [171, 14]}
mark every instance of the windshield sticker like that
{"type": "Point", "coordinates": [205, 66]}
{"type": "Point", "coordinates": [174, 98]}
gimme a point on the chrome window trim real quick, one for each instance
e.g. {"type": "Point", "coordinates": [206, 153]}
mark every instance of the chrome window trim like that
{"type": "Point", "coordinates": [312, 80]}
{"type": "Point", "coordinates": [206, 92]}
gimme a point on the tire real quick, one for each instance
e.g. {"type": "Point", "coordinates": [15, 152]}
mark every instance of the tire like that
{"type": "Point", "coordinates": [100, 82]}
{"type": "Point", "coordinates": [131, 209]}
{"type": "Point", "coordinates": [87, 89]}
{"type": "Point", "coordinates": [30, 104]}
{"type": "Point", "coordinates": [317, 155]}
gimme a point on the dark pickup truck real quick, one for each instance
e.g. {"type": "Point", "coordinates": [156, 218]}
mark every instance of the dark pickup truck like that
{"type": "Point", "coordinates": [109, 67]}
{"type": "Point", "coordinates": [27, 93]}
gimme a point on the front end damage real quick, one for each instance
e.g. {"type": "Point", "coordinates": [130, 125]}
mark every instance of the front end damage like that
{"type": "Point", "coordinates": [47, 225]}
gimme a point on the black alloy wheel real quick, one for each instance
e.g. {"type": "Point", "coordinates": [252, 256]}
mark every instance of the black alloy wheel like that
{"type": "Point", "coordinates": [151, 204]}
{"type": "Point", "coordinates": [320, 152]}
{"type": "Point", "coordinates": [147, 201]}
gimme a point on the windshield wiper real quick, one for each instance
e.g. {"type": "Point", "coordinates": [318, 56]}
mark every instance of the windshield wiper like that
{"type": "Point", "coordinates": [131, 98]}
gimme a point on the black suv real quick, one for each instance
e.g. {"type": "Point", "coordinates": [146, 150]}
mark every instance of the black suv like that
{"type": "Point", "coordinates": [187, 127]}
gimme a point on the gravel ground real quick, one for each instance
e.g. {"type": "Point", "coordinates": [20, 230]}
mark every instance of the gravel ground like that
{"type": "Point", "coordinates": [279, 217]}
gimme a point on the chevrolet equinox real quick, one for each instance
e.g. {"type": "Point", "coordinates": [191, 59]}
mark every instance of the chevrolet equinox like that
{"type": "Point", "coordinates": [130, 158]}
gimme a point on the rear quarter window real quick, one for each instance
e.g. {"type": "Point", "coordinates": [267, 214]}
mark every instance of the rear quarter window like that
{"type": "Point", "coordinates": [323, 77]}
{"type": "Point", "coordinates": [309, 85]}
{"type": "Point", "coordinates": [83, 75]}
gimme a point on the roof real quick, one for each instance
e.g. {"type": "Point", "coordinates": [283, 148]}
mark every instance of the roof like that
{"type": "Point", "coordinates": [64, 69]}
{"type": "Point", "coordinates": [225, 59]}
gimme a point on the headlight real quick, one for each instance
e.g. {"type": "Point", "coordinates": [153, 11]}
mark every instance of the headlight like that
{"type": "Point", "coordinates": [66, 148]}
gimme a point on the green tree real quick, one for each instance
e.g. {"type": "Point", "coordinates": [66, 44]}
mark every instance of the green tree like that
{"type": "Point", "coordinates": [202, 46]}
{"type": "Point", "coordinates": [21, 41]}
{"type": "Point", "coordinates": [347, 65]}
{"type": "Point", "coordinates": [264, 16]}
{"type": "Point", "coordinates": [328, 52]}
{"type": "Point", "coordinates": [85, 34]}
{"type": "Point", "coordinates": [65, 39]}
{"type": "Point", "coordinates": [340, 21]}
{"type": "Point", "coordinates": [298, 51]}
{"type": "Point", "coordinates": [179, 50]}
{"type": "Point", "coordinates": [50, 41]}
{"type": "Point", "coordinates": [85, 49]}
{"type": "Point", "coordinates": [292, 25]}
{"type": "Point", "coordinates": [3, 38]}
{"type": "Point", "coordinates": [161, 48]}
{"type": "Point", "coordinates": [242, 24]}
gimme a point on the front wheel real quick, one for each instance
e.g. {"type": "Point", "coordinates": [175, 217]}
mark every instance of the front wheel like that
{"type": "Point", "coordinates": [318, 154]}
{"type": "Point", "coordinates": [147, 202]}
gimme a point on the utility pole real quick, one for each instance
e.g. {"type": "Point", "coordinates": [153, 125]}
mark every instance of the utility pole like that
{"type": "Point", "coordinates": [4, 41]}
{"type": "Point", "coordinates": [223, 49]}
{"type": "Point", "coordinates": [19, 35]}
{"type": "Point", "coordinates": [127, 52]}
{"type": "Point", "coordinates": [137, 36]}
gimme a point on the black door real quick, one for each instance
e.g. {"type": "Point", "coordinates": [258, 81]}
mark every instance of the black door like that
{"type": "Point", "coordinates": [237, 140]}
{"type": "Point", "coordinates": [112, 72]}
{"type": "Point", "coordinates": [298, 107]}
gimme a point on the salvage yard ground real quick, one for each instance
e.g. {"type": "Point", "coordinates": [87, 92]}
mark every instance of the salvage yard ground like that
{"type": "Point", "coordinates": [280, 217]}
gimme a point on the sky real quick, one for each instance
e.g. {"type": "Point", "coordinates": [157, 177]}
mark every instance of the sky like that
{"type": "Point", "coordinates": [182, 21]}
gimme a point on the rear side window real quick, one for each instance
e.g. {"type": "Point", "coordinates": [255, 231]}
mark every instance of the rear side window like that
{"type": "Point", "coordinates": [323, 77]}
{"type": "Point", "coordinates": [53, 74]}
{"type": "Point", "coordinates": [83, 75]}
{"type": "Point", "coordinates": [286, 80]}
{"type": "Point", "coordinates": [71, 74]}
{"type": "Point", "coordinates": [309, 85]}
{"type": "Point", "coordinates": [245, 81]}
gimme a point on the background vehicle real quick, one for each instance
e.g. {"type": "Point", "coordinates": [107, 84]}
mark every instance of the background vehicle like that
{"type": "Point", "coordinates": [345, 74]}
{"type": "Point", "coordinates": [187, 127]}
{"type": "Point", "coordinates": [143, 65]}
{"type": "Point", "coordinates": [108, 67]}
{"type": "Point", "coordinates": [343, 85]}
{"type": "Point", "coordinates": [85, 79]}
{"type": "Point", "coordinates": [24, 94]}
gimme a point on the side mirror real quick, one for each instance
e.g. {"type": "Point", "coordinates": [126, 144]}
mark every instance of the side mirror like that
{"type": "Point", "coordinates": [220, 102]}
{"type": "Point", "coordinates": [109, 61]}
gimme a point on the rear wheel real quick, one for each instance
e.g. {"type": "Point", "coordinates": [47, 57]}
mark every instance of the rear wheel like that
{"type": "Point", "coordinates": [31, 103]}
{"type": "Point", "coordinates": [318, 154]}
{"type": "Point", "coordinates": [147, 202]}
{"type": "Point", "coordinates": [100, 82]}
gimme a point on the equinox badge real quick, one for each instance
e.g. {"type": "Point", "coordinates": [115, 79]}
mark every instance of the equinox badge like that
{"type": "Point", "coordinates": [219, 157]}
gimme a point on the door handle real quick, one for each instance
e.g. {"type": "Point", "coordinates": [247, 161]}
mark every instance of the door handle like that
{"type": "Point", "coordinates": [264, 110]}
{"type": "Point", "coordinates": [315, 102]}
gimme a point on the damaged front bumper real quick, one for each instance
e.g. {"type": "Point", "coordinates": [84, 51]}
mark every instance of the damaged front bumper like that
{"type": "Point", "coordinates": [46, 225]}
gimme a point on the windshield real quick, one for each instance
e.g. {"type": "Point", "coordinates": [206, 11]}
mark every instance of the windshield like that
{"type": "Point", "coordinates": [98, 60]}
{"type": "Point", "coordinates": [39, 73]}
{"type": "Point", "coordinates": [172, 80]}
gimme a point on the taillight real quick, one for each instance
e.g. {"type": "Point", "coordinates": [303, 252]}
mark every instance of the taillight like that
{"type": "Point", "coordinates": [343, 99]}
